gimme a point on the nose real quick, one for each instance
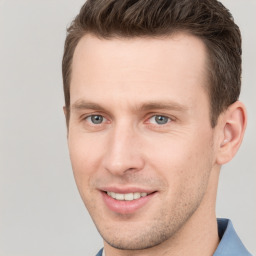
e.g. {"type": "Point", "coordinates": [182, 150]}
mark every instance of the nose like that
{"type": "Point", "coordinates": [124, 151]}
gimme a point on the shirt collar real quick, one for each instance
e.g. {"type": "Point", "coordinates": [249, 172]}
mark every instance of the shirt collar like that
{"type": "Point", "coordinates": [230, 243]}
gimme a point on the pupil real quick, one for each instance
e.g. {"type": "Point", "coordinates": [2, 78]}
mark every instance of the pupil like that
{"type": "Point", "coordinates": [97, 119]}
{"type": "Point", "coordinates": [161, 119]}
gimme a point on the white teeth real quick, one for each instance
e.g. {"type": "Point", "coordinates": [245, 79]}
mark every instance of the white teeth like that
{"type": "Point", "coordinates": [112, 194]}
{"type": "Point", "coordinates": [126, 197]}
{"type": "Point", "coordinates": [119, 196]}
{"type": "Point", "coordinates": [136, 195]}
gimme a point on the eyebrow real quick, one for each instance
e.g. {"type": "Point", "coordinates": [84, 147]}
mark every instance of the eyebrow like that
{"type": "Point", "coordinates": [81, 104]}
{"type": "Point", "coordinates": [164, 105]}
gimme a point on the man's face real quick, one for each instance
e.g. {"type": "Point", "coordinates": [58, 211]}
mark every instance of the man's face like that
{"type": "Point", "coordinates": [139, 131]}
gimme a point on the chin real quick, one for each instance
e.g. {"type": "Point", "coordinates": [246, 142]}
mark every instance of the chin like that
{"type": "Point", "coordinates": [138, 238]}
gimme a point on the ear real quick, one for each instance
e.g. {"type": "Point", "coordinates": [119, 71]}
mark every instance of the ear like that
{"type": "Point", "coordinates": [66, 115]}
{"type": "Point", "coordinates": [65, 111]}
{"type": "Point", "coordinates": [232, 127]}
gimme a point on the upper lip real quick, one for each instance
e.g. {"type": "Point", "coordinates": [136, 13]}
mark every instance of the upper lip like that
{"type": "Point", "coordinates": [126, 190]}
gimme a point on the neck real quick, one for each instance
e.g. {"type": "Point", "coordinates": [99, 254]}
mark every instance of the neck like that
{"type": "Point", "coordinates": [198, 236]}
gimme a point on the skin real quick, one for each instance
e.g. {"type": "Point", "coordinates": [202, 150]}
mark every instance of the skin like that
{"type": "Point", "coordinates": [127, 82]}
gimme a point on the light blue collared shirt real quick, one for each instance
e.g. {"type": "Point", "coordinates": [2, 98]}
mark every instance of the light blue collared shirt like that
{"type": "Point", "coordinates": [230, 244]}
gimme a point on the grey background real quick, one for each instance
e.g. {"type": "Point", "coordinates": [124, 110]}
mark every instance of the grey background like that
{"type": "Point", "coordinates": [41, 213]}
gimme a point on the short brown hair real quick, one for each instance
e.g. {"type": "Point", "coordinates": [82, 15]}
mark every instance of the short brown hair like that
{"type": "Point", "coordinates": [206, 19]}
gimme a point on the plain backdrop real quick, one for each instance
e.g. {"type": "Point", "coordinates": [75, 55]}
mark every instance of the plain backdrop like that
{"type": "Point", "coordinates": [41, 213]}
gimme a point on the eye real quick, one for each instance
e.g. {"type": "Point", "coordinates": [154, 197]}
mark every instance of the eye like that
{"type": "Point", "coordinates": [160, 120]}
{"type": "Point", "coordinates": [95, 119]}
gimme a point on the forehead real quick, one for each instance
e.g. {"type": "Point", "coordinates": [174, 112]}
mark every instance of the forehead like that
{"type": "Point", "coordinates": [137, 69]}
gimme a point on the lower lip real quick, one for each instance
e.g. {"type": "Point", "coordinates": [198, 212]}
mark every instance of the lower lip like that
{"type": "Point", "coordinates": [126, 207]}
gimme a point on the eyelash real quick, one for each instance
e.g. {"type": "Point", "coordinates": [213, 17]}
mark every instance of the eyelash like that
{"type": "Point", "coordinates": [147, 120]}
{"type": "Point", "coordinates": [91, 123]}
{"type": "Point", "coordinates": [162, 116]}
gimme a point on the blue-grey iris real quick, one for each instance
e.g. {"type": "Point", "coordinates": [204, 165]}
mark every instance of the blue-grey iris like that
{"type": "Point", "coordinates": [161, 119]}
{"type": "Point", "coordinates": [96, 119]}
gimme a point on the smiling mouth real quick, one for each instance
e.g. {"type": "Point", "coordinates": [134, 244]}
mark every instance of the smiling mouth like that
{"type": "Point", "coordinates": [126, 202]}
{"type": "Point", "coordinates": [126, 197]}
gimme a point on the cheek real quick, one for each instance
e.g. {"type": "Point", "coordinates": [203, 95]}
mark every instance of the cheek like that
{"type": "Point", "coordinates": [184, 161]}
{"type": "Point", "coordinates": [84, 156]}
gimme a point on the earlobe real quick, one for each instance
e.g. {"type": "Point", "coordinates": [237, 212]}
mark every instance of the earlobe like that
{"type": "Point", "coordinates": [234, 123]}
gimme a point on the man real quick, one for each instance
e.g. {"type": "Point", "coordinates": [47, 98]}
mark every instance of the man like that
{"type": "Point", "coordinates": [151, 104]}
